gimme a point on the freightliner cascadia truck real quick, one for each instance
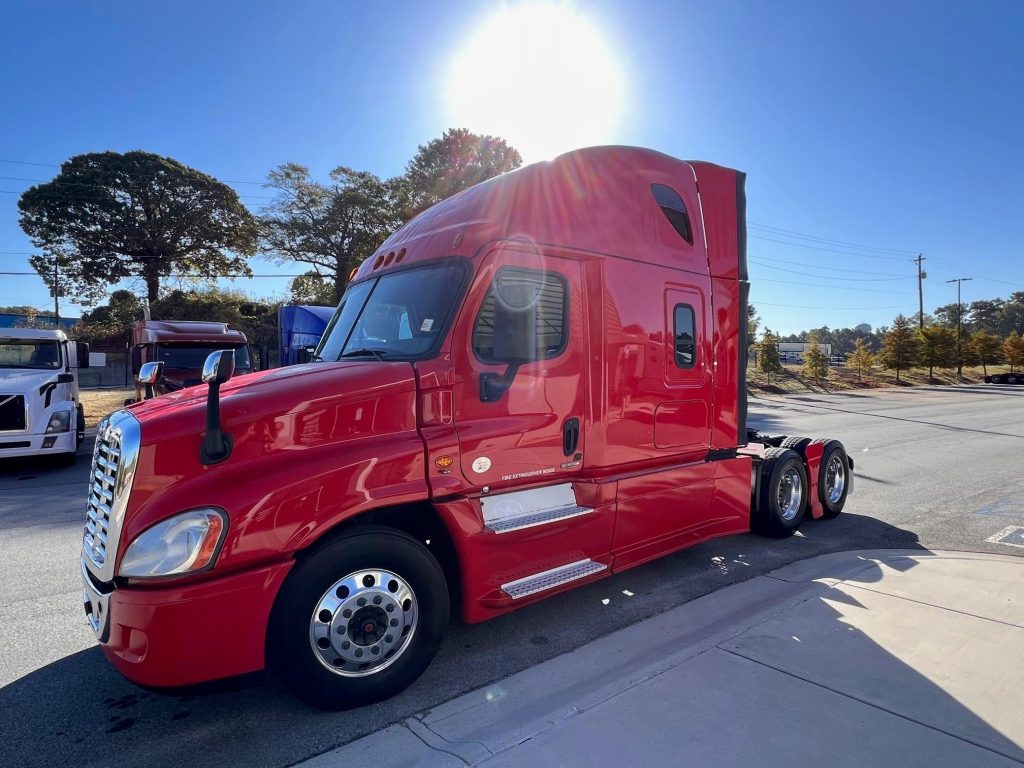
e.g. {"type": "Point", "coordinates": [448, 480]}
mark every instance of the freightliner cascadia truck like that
{"type": "Point", "coordinates": [535, 384]}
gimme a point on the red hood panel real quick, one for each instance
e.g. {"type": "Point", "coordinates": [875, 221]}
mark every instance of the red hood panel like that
{"type": "Point", "coordinates": [271, 394]}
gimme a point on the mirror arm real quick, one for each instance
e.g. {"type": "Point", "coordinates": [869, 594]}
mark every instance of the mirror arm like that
{"type": "Point", "coordinates": [493, 386]}
{"type": "Point", "coordinates": [216, 445]}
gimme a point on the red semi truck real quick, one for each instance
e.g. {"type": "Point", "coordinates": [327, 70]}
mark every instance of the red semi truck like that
{"type": "Point", "coordinates": [535, 384]}
{"type": "Point", "coordinates": [183, 346]}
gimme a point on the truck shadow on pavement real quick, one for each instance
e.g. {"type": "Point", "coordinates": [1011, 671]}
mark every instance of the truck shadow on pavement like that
{"type": "Point", "coordinates": [79, 711]}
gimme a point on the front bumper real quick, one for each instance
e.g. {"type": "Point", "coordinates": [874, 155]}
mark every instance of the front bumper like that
{"type": "Point", "coordinates": [185, 633]}
{"type": "Point", "coordinates": [14, 444]}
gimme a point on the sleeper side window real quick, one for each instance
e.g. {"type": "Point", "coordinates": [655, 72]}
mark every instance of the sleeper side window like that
{"type": "Point", "coordinates": [674, 209]}
{"type": "Point", "coordinates": [683, 333]}
{"type": "Point", "coordinates": [524, 317]}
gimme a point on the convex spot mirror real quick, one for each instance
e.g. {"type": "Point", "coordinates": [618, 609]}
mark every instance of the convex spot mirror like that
{"type": "Point", "coordinates": [219, 366]}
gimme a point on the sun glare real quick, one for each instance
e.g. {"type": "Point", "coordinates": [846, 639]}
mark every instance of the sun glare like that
{"type": "Point", "coordinates": [540, 76]}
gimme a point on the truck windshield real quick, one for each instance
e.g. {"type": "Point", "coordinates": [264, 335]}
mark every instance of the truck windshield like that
{"type": "Point", "coordinates": [24, 353]}
{"type": "Point", "coordinates": [192, 357]}
{"type": "Point", "coordinates": [398, 316]}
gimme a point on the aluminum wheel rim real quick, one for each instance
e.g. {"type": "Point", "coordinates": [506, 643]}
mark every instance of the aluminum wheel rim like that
{"type": "Point", "coordinates": [364, 623]}
{"type": "Point", "coordinates": [835, 479]}
{"type": "Point", "coordinates": [791, 493]}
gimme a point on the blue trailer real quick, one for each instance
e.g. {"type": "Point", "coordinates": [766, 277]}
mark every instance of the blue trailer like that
{"type": "Point", "coordinates": [300, 327]}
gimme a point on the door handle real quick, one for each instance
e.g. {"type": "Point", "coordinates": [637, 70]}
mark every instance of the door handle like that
{"type": "Point", "coordinates": [570, 436]}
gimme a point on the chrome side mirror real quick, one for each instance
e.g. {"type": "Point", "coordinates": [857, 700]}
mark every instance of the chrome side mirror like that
{"type": "Point", "coordinates": [217, 444]}
{"type": "Point", "coordinates": [150, 373]}
{"type": "Point", "coordinates": [219, 366]}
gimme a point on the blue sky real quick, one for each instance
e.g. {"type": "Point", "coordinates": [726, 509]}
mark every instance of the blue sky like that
{"type": "Point", "coordinates": [892, 125]}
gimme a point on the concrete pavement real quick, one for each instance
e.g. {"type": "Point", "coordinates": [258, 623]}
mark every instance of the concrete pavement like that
{"type": "Point", "coordinates": [863, 658]}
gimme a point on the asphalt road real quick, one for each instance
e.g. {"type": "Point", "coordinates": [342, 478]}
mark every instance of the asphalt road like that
{"type": "Point", "coordinates": [936, 468]}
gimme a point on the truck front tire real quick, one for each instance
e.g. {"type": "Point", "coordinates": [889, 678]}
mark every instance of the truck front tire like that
{"type": "Point", "coordinates": [359, 620]}
{"type": "Point", "coordinates": [782, 494]}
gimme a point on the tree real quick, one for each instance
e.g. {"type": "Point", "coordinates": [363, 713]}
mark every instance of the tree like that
{"type": "Point", "coordinates": [985, 313]}
{"type": "Point", "coordinates": [24, 309]}
{"type": "Point", "coordinates": [968, 354]}
{"type": "Point", "coordinates": [332, 226]}
{"type": "Point", "coordinates": [454, 162]}
{"type": "Point", "coordinates": [107, 325]}
{"type": "Point", "coordinates": [987, 347]}
{"type": "Point", "coordinates": [950, 315]}
{"type": "Point", "coordinates": [937, 348]}
{"type": "Point", "coordinates": [122, 309]}
{"type": "Point", "coordinates": [109, 216]}
{"type": "Point", "coordinates": [1012, 314]}
{"type": "Point", "coordinates": [768, 355]}
{"type": "Point", "coordinates": [815, 360]}
{"type": "Point", "coordinates": [752, 322]}
{"type": "Point", "coordinates": [899, 346]}
{"type": "Point", "coordinates": [1013, 350]}
{"type": "Point", "coordinates": [312, 288]}
{"type": "Point", "coordinates": [861, 358]}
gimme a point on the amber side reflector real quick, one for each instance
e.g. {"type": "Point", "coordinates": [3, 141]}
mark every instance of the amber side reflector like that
{"type": "Point", "coordinates": [352, 274]}
{"type": "Point", "coordinates": [443, 462]}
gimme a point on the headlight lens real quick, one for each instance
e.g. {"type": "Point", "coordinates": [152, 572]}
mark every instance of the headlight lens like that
{"type": "Point", "coordinates": [60, 421]}
{"type": "Point", "coordinates": [181, 544]}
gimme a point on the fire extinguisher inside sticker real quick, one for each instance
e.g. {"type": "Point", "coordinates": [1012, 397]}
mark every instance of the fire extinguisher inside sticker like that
{"type": "Point", "coordinates": [481, 465]}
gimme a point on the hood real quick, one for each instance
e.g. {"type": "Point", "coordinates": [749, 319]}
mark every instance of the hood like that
{"type": "Point", "coordinates": [22, 381]}
{"type": "Point", "coordinates": [271, 394]}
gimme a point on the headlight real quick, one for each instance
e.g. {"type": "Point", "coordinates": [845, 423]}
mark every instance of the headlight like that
{"type": "Point", "coordinates": [184, 543]}
{"type": "Point", "coordinates": [60, 421]}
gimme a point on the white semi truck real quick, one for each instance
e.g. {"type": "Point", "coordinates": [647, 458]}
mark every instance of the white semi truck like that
{"type": "Point", "coordinates": [40, 410]}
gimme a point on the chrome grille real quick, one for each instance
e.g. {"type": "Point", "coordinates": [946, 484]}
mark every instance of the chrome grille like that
{"type": "Point", "coordinates": [106, 458]}
{"type": "Point", "coordinates": [113, 467]}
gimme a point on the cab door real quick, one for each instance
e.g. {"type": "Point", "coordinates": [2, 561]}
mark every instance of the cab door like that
{"type": "Point", "coordinates": [520, 356]}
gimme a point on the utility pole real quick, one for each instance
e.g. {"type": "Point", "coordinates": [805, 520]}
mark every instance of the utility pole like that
{"type": "Point", "coordinates": [56, 294]}
{"type": "Point", "coordinates": [921, 275]}
{"type": "Point", "coordinates": [959, 325]}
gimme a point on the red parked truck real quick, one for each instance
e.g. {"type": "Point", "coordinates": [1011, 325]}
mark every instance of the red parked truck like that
{"type": "Point", "coordinates": [535, 384]}
{"type": "Point", "coordinates": [183, 346]}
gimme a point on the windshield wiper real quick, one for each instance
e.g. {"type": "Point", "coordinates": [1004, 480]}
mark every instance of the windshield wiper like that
{"type": "Point", "coordinates": [364, 352]}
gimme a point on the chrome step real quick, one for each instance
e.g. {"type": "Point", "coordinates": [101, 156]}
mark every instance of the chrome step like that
{"type": "Point", "coordinates": [531, 519]}
{"type": "Point", "coordinates": [551, 579]}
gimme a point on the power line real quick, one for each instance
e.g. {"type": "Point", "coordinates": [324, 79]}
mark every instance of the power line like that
{"type": "Point", "coordinates": [101, 186]}
{"type": "Point", "coordinates": [821, 265]}
{"type": "Point", "coordinates": [836, 287]}
{"type": "Point", "coordinates": [129, 173]}
{"type": "Point", "coordinates": [176, 275]}
{"type": "Point", "coordinates": [825, 277]}
{"type": "Point", "coordinates": [93, 197]}
{"type": "Point", "coordinates": [827, 250]}
{"type": "Point", "coordinates": [838, 309]}
{"type": "Point", "coordinates": [827, 240]}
